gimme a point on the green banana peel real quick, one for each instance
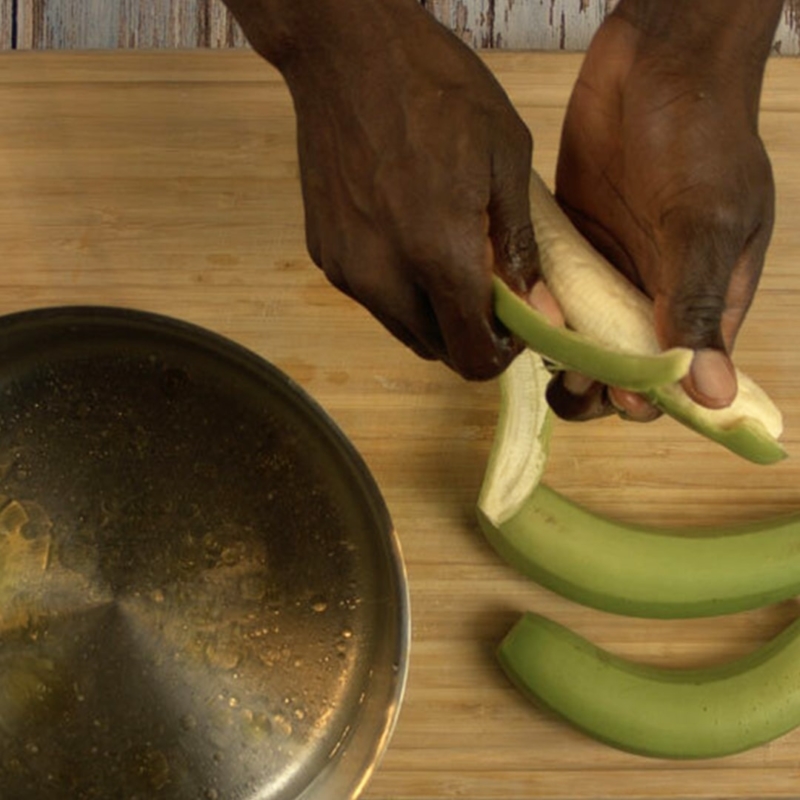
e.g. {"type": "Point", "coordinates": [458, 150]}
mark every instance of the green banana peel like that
{"type": "Point", "coordinates": [522, 434]}
{"type": "Point", "coordinates": [747, 435]}
{"type": "Point", "coordinates": [644, 709]}
{"type": "Point", "coordinates": [571, 350]}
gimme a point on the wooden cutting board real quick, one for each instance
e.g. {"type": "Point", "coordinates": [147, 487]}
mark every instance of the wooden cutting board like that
{"type": "Point", "coordinates": [168, 182]}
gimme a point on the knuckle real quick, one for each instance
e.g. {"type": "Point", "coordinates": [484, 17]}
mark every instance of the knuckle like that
{"type": "Point", "coordinates": [436, 247]}
{"type": "Point", "coordinates": [483, 364]}
{"type": "Point", "coordinates": [696, 313]}
{"type": "Point", "coordinates": [592, 404]}
{"type": "Point", "coordinates": [517, 255]}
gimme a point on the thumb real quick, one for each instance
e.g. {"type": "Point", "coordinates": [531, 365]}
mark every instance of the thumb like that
{"type": "Point", "coordinates": [708, 283]}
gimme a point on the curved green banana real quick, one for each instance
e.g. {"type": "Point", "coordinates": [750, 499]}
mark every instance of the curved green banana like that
{"type": "Point", "coordinates": [643, 571]}
{"type": "Point", "coordinates": [636, 570]}
{"type": "Point", "coordinates": [667, 713]}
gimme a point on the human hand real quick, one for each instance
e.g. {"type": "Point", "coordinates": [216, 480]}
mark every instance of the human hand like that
{"type": "Point", "coordinates": [414, 169]}
{"type": "Point", "coordinates": [662, 168]}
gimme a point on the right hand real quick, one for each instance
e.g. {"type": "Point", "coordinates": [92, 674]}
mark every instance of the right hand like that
{"type": "Point", "coordinates": [414, 168]}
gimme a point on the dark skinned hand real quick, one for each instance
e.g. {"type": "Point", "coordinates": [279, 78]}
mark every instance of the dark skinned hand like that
{"type": "Point", "coordinates": [414, 169]}
{"type": "Point", "coordinates": [662, 168]}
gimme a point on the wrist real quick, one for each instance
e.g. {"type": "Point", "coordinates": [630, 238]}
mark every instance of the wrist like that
{"type": "Point", "coordinates": [718, 47]}
{"type": "Point", "coordinates": [732, 33]}
{"type": "Point", "coordinates": [293, 35]}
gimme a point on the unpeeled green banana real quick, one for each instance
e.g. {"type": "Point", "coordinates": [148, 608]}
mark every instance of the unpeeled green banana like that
{"type": "Point", "coordinates": [668, 713]}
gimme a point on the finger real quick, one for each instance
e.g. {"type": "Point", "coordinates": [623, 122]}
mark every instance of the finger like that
{"type": "Point", "coordinates": [710, 262]}
{"type": "Point", "coordinates": [576, 398]}
{"type": "Point", "coordinates": [409, 318]}
{"type": "Point", "coordinates": [404, 312]}
{"type": "Point", "coordinates": [477, 348]}
{"type": "Point", "coordinates": [632, 406]}
{"type": "Point", "coordinates": [450, 259]}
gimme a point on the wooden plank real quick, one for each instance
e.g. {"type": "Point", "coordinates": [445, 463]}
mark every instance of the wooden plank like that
{"type": "Point", "coordinates": [787, 38]}
{"type": "Point", "coordinates": [99, 24]}
{"type": "Point", "coordinates": [6, 24]}
{"type": "Point", "coordinates": [548, 24]}
{"type": "Point", "coordinates": [471, 20]}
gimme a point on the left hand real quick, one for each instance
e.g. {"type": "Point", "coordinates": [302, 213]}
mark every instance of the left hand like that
{"type": "Point", "coordinates": [662, 168]}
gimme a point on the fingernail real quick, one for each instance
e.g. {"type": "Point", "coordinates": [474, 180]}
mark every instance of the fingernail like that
{"type": "Point", "coordinates": [713, 378]}
{"type": "Point", "coordinates": [576, 384]}
{"type": "Point", "coordinates": [632, 406]}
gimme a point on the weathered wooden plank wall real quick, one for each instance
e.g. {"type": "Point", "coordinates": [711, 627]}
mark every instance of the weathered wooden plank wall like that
{"type": "Point", "coordinates": [70, 24]}
{"type": "Point", "coordinates": [558, 24]}
{"type": "Point", "coordinates": [522, 24]}
{"type": "Point", "coordinates": [512, 24]}
{"type": "Point", "coordinates": [6, 24]}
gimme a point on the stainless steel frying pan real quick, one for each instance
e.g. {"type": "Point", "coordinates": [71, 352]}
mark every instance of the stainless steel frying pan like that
{"type": "Point", "coordinates": [201, 593]}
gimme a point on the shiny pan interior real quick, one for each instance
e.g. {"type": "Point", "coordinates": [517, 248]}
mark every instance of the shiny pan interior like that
{"type": "Point", "coordinates": [201, 592]}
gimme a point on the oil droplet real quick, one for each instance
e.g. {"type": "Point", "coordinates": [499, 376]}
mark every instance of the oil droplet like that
{"type": "Point", "coordinates": [319, 604]}
{"type": "Point", "coordinates": [232, 555]}
{"type": "Point", "coordinates": [282, 724]}
{"type": "Point", "coordinates": [259, 721]}
{"type": "Point", "coordinates": [221, 656]}
{"type": "Point", "coordinates": [253, 587]}
{"type": "Point", "coordinates": [13, 517]}
{"type": "Point", "coordinates": [347, 633]}
{"type": "Point", "coordinates": [157, 596]}
{"type": "Point", "coordinates": [188, 722]}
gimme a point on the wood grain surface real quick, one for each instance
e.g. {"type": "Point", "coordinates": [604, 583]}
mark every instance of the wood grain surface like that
{"type": "Point", "coordinates": [168, 182]}
{"type": "Point", "coordinates": [504, 24]}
